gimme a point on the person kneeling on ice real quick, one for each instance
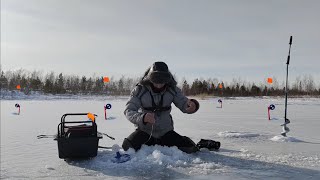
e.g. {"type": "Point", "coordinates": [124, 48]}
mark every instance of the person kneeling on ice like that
{"type": "Point", "coordinates": [149, 110]}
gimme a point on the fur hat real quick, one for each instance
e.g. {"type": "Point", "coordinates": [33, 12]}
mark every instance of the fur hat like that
{"type": "Point", "coordinates": [159, 73]}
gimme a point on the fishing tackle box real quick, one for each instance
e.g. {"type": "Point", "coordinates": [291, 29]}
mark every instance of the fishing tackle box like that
{"type": "Point", "coordinates": [77, 139]}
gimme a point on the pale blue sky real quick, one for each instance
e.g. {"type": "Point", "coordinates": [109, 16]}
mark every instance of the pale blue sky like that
{"type": "Point", "coordinates": [205, 38]}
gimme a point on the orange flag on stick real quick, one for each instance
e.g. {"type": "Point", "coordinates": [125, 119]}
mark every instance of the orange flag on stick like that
{"type": "Point", "coordinates": [18, 87]}
{"type": "Point", "coordinates": [220, 86]}
{"type": "Point", "coordinates": [270, 80]}
{"type": "Point", "coordinates": [106, 79]}
{"type": "Point", "coordinates": [91, 116]}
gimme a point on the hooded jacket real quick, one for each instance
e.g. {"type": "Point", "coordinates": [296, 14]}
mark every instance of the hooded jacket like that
{"type": "Point", "coordinates": [140, 102]}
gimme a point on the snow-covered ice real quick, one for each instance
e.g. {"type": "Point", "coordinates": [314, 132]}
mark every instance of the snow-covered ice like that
{"type": "Point", "coordinates": [251, 146]}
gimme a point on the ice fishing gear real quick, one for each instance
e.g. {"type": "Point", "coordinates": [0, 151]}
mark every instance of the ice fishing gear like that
{"type": "Point", "coordinates": [54, 136]}
{"type": "Point", "coordinates": [77, 139]}
{"type": "Point", "coordinates": [17, 106]}
{"type": "Point", "coordinates": [220, 101]}
{"type": "Point", "coordinates": [107, 106]}
{"type": "Point", "coordinates": [119, 158]}
{"type": "Point", "coordinates": [209, 144]}
{"type": "Point", "coordinates": [105, 134]}
{"type": "Point", "coordinates": [285, 129]}
{"type": "Point", "coordinates": [271, 107]}
{"type": "Point", "coordinates": [46, 136]}
{"type": "Point", "coordinates": [150, 134]}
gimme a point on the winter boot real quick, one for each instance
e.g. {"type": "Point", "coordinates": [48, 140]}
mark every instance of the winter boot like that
{"type": "Point", "coordinates": [209, 144]}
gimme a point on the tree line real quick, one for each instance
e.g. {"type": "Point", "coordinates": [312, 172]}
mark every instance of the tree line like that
{"type": "Point", "coordinates": [237, 88]}
{"type": "Point", "coordinates": [73, 84]}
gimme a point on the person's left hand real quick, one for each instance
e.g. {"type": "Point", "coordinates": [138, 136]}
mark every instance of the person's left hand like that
{"type": "Point", "coordinates": [191, 106]}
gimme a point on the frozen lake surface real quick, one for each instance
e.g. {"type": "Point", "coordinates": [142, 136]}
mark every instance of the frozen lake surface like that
{"type": "Point", "coordinates": [251, 146]}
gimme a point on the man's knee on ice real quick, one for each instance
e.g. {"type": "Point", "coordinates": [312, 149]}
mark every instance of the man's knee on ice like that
{"type": "Point", "coordinates": [127, 144]}
{"type": "Point", "coordinates": [188, 145]}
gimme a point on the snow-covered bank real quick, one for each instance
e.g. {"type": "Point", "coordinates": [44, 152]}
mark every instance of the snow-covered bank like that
{"type": "Point", "coordinates": [34, 95]}
{"type": "Point", "coordinates": [18, 95]}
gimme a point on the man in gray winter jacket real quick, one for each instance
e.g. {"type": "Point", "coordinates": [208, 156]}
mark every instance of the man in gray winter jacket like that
{"type": "Point", "coordinates": [149, 110]}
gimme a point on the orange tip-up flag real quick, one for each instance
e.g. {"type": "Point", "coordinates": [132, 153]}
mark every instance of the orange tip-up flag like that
{"type": "Point", "coordinates": [106, 79]}
{"type": "Point", "coordinates": [91, 116]}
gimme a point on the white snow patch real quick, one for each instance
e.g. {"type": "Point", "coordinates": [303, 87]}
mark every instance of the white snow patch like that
{"type": "Point", "coordinates": [280, 138]}
{"type": "Point", "coordinates": [232, 134]}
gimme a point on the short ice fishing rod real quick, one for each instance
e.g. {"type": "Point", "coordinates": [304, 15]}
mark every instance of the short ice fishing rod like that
{"type": "Point", "coordinates": [285, 129]}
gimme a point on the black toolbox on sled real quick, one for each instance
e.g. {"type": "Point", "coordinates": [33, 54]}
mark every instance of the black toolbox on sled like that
{"type": "Point", "coordinates": [77, 139]}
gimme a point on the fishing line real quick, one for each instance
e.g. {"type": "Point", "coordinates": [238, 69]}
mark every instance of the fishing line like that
{"type": "Point", "coordinates": [150, 134]}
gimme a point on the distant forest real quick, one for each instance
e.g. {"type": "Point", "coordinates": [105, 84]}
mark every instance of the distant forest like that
{"type": "Point", "coordinates": [52, 83]}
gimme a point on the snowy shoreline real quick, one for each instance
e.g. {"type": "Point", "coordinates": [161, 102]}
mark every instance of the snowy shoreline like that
{"type": "Point", "coordinates": [17, 95]}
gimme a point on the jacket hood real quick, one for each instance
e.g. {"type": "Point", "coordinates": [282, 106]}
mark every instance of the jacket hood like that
{"type": "Point", "coordinates": [148, 76]}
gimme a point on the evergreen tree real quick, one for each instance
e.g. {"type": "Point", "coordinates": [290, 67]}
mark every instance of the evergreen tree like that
{"type": "Point", "coordinates": [120, 86]}
{"type": "Point", "coordinates": [59, 85]}
{"type": "Point", "coordinates": [243, 91]}
{"type": "Point", "coordinates": [185, 88]}
{"type": "Point", "coordinates": [98, 88]}
{"type": "Point", "coordinates": [68, 85]}
{"type": "Point", "coordinates": [75, 84]}
{"type": "Point", "coordinates": [204, 87]}
{"type": "Point", "coordinates": [35, 84]}
{"type": "Point", "coordinates": [3, 81]}
{"type": "Point", "coordinates": [265, 91]}
{"type": "Point", "coordinates": [48, 86]}
{"type": "Point", "coordinates": [83, 84]}
{"type": "Point", "coordinates": [89, 85]}
{"type": "Point", "coordinates": [237, 90]}
{"type": "Point", "coordinates": [255, 90]}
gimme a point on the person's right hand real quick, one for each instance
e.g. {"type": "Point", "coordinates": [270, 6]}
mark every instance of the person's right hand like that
{"type": "Point", "coordinates": [149, 118]}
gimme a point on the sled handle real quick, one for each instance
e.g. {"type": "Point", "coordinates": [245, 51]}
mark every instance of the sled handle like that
{"type": "Point", "coordinates": [62, 123]}
{"type": "Point", "coordinates": [74, 114]}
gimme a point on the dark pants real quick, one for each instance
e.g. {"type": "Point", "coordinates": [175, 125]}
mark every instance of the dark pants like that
{"type": "Point", "coordinates": [171, 138]}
